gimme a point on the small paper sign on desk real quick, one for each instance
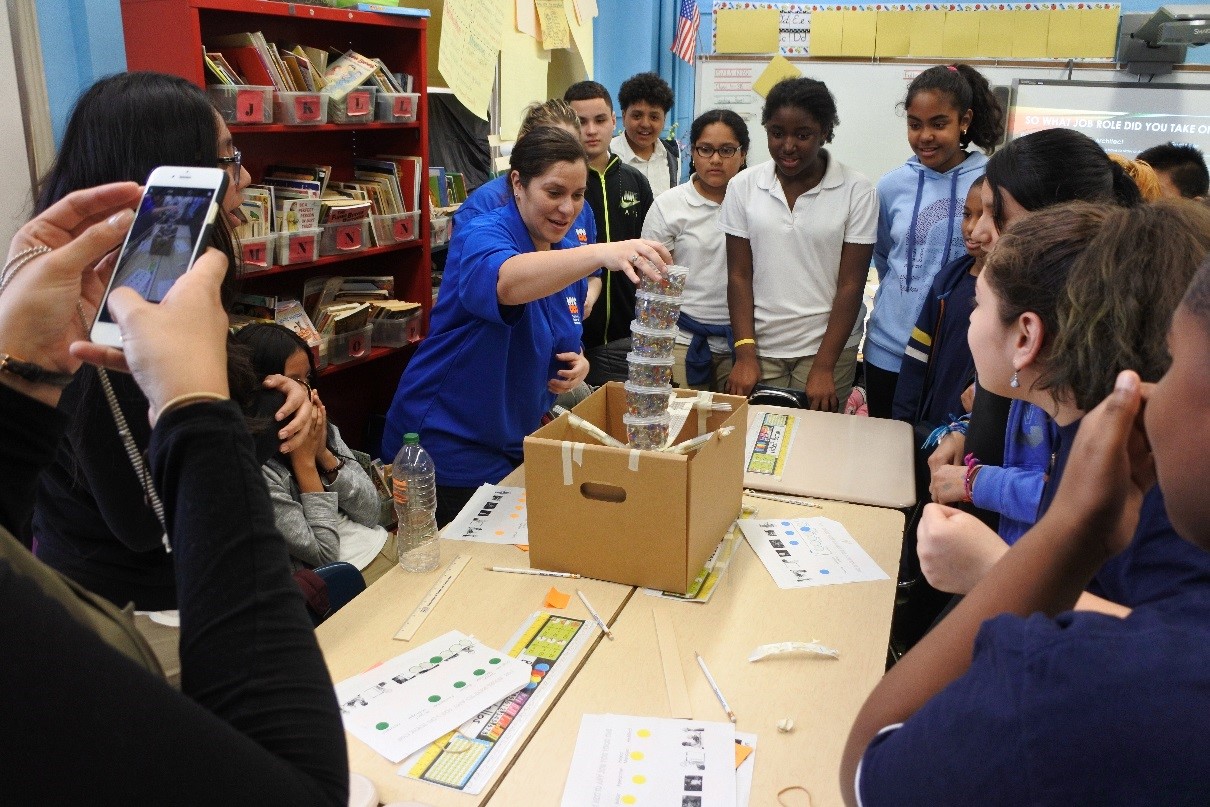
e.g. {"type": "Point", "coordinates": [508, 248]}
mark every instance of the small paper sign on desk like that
{"type": "Point", "coordinates": [494, 515]}
{"type": "Point", "coordinates": [403, 704]}
{"type": "Point", "coordinates": [806, 552]}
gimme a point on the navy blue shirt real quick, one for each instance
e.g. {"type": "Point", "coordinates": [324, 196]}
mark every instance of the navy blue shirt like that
{"type": "Point", "coordinates": [477, 384]}
{"type": "Point", "coordinates": [1083, 709]}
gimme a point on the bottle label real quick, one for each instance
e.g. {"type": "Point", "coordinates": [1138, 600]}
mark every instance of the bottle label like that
{"type": "Point", "coordinates": [400, 491]}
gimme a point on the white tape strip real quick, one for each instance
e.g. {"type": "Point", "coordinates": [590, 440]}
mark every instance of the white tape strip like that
{"type": "Point", "coordinates": [634, 459]}
{"type": "Point", "coordinates": [565, 450]}
{"type": "Point", "coordinates": [705, 399]}
{"type": "Point", "coordinates": [577, 454]}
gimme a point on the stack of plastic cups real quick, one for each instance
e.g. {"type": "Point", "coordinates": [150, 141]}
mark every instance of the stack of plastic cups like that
{"type": "Point", "coordinates": [653, 333]}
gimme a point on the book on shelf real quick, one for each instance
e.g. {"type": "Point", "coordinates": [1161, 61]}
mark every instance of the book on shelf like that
{"type": "Point", "coordinates": [290, 314]}
{"type": "Point", "coordinates": [319, 293]}
{"type": "Point", "coordinates": [394, 309]}
{"type": "Point", "coordinates": [342, 210]}
{"type": "Point", "coordinates": [347, 73]}
{"type": "Point", "coordinates": [456, 184]}
{"type": "Point", "coordinates": [408, 172]}
{"type": "Point", "coordinates": [218, 69]}
{"type": "Point", "coordinates": [438, 192]}
{"type": "Point", "coordinates": [366, 288]}
{"type": "Point", "coordinates": [340, 318]}
{"type": "Point", "coordinates": [305, 173]}
{"type": "Point", "coordinates": [260, 307]}
{"type": "Point", "coordinates": [249, 54]}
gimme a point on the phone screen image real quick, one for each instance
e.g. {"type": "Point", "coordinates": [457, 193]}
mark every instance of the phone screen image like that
{"type": "Point", "coordinates": [160, 247]}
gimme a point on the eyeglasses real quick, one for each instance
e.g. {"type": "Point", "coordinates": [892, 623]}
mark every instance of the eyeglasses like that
{"type": "Point", "coordinates": [706, 152]}
{"type": "Point", "coordinates": [231, 164]}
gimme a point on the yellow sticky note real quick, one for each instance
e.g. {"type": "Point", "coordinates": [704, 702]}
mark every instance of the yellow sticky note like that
{"type": "Point", "coordinates": [779, 68]}
{"type": "Point", "coordinates": [860, 30]}
{"type": "Point", "coordinates": [995, 33]}
{"type": "Point", "coordinates": [742, 752]}
{"type": "Point", "coordinates": [552, 18]}
{"type": "Point", "coordinates": [894, 33]}
{"type": "Point", "coordinates": [1100, 31]}
{"type": "Point", "coordinates": [556, 598]}
{"type": "Point", "coordinates": [1030, 31]}
{"type": "Point", "coordinates": [961, 39]}
{"type": "Point", "coordinates": [746, 30]}
{"type": "Point", "coordinates": [1065, 38]}
{"type": "Point", "coordinates": [928, 33]}
{"type": "Point", "coordinates": [827, 33]}
{"type": "Point", "coordinates": [523, 59]}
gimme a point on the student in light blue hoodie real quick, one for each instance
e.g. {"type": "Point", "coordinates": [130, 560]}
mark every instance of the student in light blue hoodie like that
{"type": "Point", "coordinates": [920, 209]}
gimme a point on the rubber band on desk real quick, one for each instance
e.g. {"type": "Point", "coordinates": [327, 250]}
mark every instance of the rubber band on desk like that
{"type": "Point", "coordinates": [790, 789]}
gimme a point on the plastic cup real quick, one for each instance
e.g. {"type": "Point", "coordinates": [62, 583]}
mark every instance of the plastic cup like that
{"type": "Point", "coordinates": [646, 371]}
{"type": "Point", "coordinates": [651, 342]}
{"type": "Point", "coordinates": [647, 400]}
{"type": "Point", "coordinates": [656, 311]}
{"type": "Point", "coordinates": [646, 432]}
{"type": "Point", "coordinates": [671, 282]}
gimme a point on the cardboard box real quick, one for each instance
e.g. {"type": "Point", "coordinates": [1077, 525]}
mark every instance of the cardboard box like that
{"type": "Point", "coordinates": [640, 518]}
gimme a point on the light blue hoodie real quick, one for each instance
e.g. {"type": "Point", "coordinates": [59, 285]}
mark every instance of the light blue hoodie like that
{"type": "Point", "coordinates": [919, 231]}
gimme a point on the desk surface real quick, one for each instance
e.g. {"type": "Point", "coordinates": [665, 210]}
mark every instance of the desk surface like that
{"type": "Point", "coordinates": [845, 458]}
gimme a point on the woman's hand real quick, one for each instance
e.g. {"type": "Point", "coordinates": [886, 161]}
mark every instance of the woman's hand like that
{"type": "Point", "coordinates": [637, 256]}
{"type": "Point", "coordinates": [573, 376]}
{"type": "Point", "coordinates": [311, 440]}
{"type": "Point", "coordinates": [951, 448]}
{"type": "Point", "coordinates": [41, 305]}
{"type": "Point", "coordinates": [956, 549]}
{"type": "Point", "coordinates": [175, 347]}
{"type": "Point", "coordinates": [948, 484]}
{"type": "Point", "coordinates": [297, 406]}
{"type": "Point", "coordinates": [745, 374]}
{"type": "Point", "coordinates": [821, 389]}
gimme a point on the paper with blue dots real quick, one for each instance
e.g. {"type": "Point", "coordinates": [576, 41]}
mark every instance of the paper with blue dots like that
{"type": "Point", "coordinates": [807, 552]}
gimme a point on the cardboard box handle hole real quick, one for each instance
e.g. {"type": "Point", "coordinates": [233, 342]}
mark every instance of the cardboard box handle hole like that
{"type": "Point", "coordinates": [603, 493]}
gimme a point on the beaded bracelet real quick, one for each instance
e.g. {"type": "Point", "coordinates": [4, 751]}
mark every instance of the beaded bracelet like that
{"type": "Point", "coordinates": [959, 425]}
{"type": "Point", "coordinates": [972, 470]}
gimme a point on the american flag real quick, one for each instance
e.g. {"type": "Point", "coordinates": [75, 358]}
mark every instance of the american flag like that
{"type": "Point", "coordinates": [687, 20]}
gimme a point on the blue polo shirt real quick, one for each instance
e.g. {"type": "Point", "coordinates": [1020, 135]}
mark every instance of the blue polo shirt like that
{"type": "Point", "coordinates": [1083, 709]}
{"type": "Point", "coordinates": [477, 384]}
{"type": "Point", "coordinates": [497, 193]}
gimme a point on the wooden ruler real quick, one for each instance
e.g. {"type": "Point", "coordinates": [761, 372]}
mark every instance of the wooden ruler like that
{"type": "Point", "coordinates": [434, 595]}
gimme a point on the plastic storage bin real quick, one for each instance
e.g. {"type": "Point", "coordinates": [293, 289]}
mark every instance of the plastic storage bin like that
{"type": "Point", "coordinates": [439, 229]}
{"type": "Point", "coordinates": [397, 332]}
{"type": "Point", "coordinates": [396, 228]}
{"type": "Point", "coordinates": [356, 107]}
{"type": "Point", "coordinates": [257, 253]}
{"type": "Point", "coordinates": [345, 347]}
{"type": "Point", "coordinates": [344, 238]}
{"type": "Point", "coordinates": [242, 103]}
{"type": "Point", "coordinates": [300, 108]}
{"type": "Point", "coordinates": [297, 247]}
{"type": "Point", "coordinates": [396, 107]}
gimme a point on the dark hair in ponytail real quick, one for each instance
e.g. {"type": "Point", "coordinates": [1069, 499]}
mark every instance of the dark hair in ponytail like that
{"type": "Point", "coordinates": [967, 89]}
{"type": "Point", "coordinates": [1057, 165]}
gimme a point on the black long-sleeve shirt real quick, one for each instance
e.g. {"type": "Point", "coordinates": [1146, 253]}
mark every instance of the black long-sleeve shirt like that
{"type": "Point", "coordinates": [256, 720]}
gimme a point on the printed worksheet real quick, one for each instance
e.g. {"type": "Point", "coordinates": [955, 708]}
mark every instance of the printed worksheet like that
{"type": "Point", "coordinates": [807, 552]}
{"type": "Point", "coordinates": [768, 444]}
{"type": "Point", "coordinates": [403, 704]}
{"type": "Point", "coordinates": [651, 762]}
{"type": "Point", "coordinates": [494, 515]}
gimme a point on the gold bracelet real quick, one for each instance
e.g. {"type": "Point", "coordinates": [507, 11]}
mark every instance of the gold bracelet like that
{"type": "Point", "coordinates": [741, 342]}
{"type": "Point", "coordinates": [188, 398]}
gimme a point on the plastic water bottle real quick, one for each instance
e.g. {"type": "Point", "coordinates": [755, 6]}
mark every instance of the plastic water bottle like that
{"type": "Point", "coordinates": [414, 482]}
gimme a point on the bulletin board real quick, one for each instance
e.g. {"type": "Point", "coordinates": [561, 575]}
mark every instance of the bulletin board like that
{"type": "Point", "coordinates": [872, 135]}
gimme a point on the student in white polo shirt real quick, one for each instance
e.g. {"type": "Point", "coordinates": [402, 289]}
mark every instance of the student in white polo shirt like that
{"type": "Point", "coordinates": [800, 232]}
{"type": "Point", "coordinates": [646, 99]}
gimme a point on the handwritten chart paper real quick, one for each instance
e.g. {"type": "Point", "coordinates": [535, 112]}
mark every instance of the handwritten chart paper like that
{"type": "Point", "coordinates": [809, 552]}
{"type": "Point", "coordinates": [651, 761]}
{"type": "Point", "coordinates": [470, 42]}
{"type": "Point", "coordinates": [411, 700]}
{"type": "Point", "coordinates": [494, 515]}
{"type": "Point", "coordinates": [769, 440]}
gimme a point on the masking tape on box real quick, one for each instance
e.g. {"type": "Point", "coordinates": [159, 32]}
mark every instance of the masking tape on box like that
{"type": "Point", "coordinates": [705, 400]}
{"type": "Point", "coordinates": [571, 452]}
{"type": "Point", "coordinates": [634, 459]}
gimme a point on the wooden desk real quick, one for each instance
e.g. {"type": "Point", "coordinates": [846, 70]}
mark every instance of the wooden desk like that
{"type": "Point", "coordinates": [844, 458]}
{"type": "Point", "coordinates": [489, 605]}
{"type": "Point", "coordinates": [821, 695]}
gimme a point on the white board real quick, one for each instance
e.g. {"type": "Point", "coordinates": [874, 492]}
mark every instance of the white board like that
{"type": "Point", "coordinates": [872, 135]}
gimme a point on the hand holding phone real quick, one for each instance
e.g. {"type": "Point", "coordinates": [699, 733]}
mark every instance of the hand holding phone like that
{"type": "Point", "coordinates": [171, 229]}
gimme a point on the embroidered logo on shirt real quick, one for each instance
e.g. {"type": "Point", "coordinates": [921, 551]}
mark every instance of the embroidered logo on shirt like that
{"type": "Point", "coordinates": [574, 308]}
{"type": "Point", "coordinates": [629, 199]}
{"type": "Point", "coordinates": [581, 235]}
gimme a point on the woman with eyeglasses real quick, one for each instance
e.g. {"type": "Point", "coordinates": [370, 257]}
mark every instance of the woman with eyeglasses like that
{"type": "Point", "coordinates": [92, 520]}
{"type": "Point", "coordinates": [800, 231]}
{"type": "Point", "coordinates": [685, 220]}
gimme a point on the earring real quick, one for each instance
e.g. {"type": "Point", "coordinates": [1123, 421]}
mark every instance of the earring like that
{"type": "Point", "coordinates": [1014, 382]}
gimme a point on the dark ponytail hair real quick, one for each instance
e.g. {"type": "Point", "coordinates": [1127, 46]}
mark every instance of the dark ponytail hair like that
{"type": "Point", "coordinates": [967, 89]}
{"type": "Point", "coordinates": [541, 148]}
{"type": "Point", "coordinates": [1057, 165]}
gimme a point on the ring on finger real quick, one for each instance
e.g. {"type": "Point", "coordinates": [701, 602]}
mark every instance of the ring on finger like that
{"type": "Point", "coordinates": [634, 259]}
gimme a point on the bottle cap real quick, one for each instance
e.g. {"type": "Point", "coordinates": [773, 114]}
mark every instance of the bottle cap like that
{"type": "Point", "coordinates": [411, 439]}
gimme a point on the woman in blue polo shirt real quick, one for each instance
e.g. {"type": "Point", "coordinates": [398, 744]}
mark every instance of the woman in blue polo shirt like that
{"type": "Point", "coordinates": [505, 334]}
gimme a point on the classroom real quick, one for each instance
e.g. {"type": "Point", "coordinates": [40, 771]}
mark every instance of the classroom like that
{"type": "Point", "coordinates": [432, 403]}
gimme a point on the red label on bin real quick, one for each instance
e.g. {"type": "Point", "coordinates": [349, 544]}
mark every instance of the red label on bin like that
{"type": "Point", "coordinates": [306, 107]}
{"type": "Point", "coordinates": [348, 237]}
{"type": "Point", "coordinates": [250, 106]}
{"type": "Point", "coordinates": [255, 253]}
{"type": "Point", "coordinates": [404, 229]}
{"type": "Point", "coordinates": [403, 106]}
{"type": "Point", "coordinates": [302, 247]}
{"type": "Point", "coordinates": [357, 102]}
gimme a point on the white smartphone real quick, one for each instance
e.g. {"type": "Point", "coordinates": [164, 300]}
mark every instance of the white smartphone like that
{"type": "Point", "coordinates": [171, 228]}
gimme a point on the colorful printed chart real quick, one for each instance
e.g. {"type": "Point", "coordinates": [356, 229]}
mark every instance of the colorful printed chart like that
{"type": "Point", "coordinates": [466, 759]}
{"type": "Point", "coordinates": [807, 552]}
{"type": "Point", "coordinates": [652, 761]}
{"type": "Point", "coordinates": [494, 515]}
{"type": "Point", "coordinates": [769, 440]}
{"type": "Point", "coordinates": [402, 704]}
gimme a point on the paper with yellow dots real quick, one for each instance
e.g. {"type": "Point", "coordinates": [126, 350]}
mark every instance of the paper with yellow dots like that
{"type": "Point", "coordinates": [651, 761]}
